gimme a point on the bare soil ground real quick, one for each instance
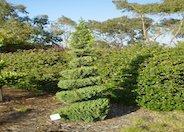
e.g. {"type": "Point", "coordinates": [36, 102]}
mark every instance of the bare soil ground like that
{"type": "Point", "coordinates": [39, 108]}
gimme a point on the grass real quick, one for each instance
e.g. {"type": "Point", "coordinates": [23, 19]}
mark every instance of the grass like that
{"type": "Point", "coordinates": [157, 122]}
{"type": "Point", "coordinates": [22, 109]}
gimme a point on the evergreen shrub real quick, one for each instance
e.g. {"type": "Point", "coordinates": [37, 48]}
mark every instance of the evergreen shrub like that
{"type": "Point", "coordinates": [80, 84]}
{"type": "Point", "coordinates": [161, 81]}
{"type": "Point", "coordinates": [88, 111]}
{"type": "Point", "coordinates": [81, 94]}
{"type": "Point", "coordinates": [118, 69]}
{"type": "Point", "coordinates": [40, 67]}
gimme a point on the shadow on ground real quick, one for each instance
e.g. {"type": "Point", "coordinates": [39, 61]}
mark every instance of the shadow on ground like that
{"type": "Point", "coordinates": [12, 117]}
{"type": "Point", "coordinates": [118, 110]}
{"type": "Point", "coordinates": [10, 94]}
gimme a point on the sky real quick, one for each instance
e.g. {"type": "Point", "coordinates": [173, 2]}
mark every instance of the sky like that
{"type": "Point", "coordinates": [99, 10]}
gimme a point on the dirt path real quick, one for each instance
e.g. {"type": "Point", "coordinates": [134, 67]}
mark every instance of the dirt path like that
{"type": "Point", "coordinates": [36, 118]}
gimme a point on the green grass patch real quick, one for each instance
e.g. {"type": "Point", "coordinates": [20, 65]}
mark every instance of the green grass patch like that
{"type": "Point", "coordinates": [157, 122]}
{"type": "Point", "coordinates": [22, 109]}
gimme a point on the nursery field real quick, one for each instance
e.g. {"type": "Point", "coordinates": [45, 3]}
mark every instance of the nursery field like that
{"type": "Point", "coordinates": [25, 111]}
{"type": "Point", "coordinates": [123, 74]}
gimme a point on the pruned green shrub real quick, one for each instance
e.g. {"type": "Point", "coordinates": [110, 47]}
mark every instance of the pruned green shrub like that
{"type": "Point", "coordinates": [78, 83]}
{"type": "Point", "coordinates": [81, 81]}
{"type": "Point", "coordinates": [80, 52]}
{"type": "Point", "coordinates": [7, 78]}
{"type": "Point", "coordinates": [41, 68]}
{"type": "Point", "coordinates": [81, 94]}
{"type": "Point", "coordinates": [82, 61]}
{"type": "Point", "coordinates": [93, 110]}
{"type": "Point", "coordinates": [118, 69]}
{"type": "Point", "coordinates": [82, 72]}
{"type": "Point", "coordinates": [161, 81]}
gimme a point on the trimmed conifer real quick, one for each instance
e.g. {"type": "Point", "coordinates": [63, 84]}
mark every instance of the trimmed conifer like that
{"type": "Point", "coordinates": [81, 83]}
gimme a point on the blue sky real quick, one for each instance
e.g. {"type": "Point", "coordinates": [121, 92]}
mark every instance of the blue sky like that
{"type": "Point", "coordinates": [99, 10]}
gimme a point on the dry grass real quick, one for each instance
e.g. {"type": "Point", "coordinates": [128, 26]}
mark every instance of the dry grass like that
{"type": "Point", "coordinates": [157, 122]}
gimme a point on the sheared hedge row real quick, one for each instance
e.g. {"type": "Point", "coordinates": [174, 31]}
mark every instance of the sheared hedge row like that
{"type": "Point", "coordinates": [161, 81]}
{"type": "Point", "coordinates": [150, 76]}
{"type": "Point", "coordinates": [40, 67]}
{"type": "Point", "coordinates": [118, 69]}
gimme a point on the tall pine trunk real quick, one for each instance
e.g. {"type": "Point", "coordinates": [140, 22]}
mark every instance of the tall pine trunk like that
{"type": "Point", "coordinates": [145, 34]}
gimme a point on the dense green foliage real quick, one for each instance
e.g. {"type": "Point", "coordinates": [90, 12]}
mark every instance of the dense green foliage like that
{"type": "Point", "coordinates": [119, 69]}
{"type": "Point", "coordinates": [92, 110]}
{"type": "Point", "coordinates": [9, 78]}
{"type": "Point", "coordinates": [41, 68]}
{"type": "Point", "coordinates": [81, 94]}
{"type": "Point", "coordinates": [167, 6]}
{"type": "Point", "coordinates": [20, 30]}
{"type": "Point", "coordinates": [24, 29]}
{"type": "Point", "coordinates": [78, 83]}
{"type": "Point", "coordinates": [81, 81]}
{"type": "Point", "coordinates": [151, 76]}
{"type": "Point", "coordinates": [161, 81]}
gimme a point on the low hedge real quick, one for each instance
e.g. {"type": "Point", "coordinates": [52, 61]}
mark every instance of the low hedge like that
{"type": "Point", "coordinates": [161, 81]}
{"type": "Point", "coordinates": [40, 67]}
{"type": "Point", "coordinates": [88, 111]}
{"type": "Point", "coordinates": [118, 69]}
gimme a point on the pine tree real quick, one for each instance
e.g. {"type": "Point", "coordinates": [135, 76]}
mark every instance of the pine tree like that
{"type": "Point", "coordinates": [80, 84]}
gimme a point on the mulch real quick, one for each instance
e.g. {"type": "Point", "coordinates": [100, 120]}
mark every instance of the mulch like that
{"type": "Point", "coordinates": [39, 109]}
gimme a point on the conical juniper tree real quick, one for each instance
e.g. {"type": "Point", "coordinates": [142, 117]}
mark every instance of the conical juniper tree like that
{"type": "Point", "coordinates": [80, 84]}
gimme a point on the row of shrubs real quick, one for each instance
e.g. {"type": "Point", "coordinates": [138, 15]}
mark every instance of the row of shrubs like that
{"type": "Point", "coordinates": [40, 68]}
{"type": "Point", "coordinates": [150, 76]}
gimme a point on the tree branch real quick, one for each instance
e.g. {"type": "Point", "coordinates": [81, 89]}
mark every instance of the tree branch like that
{"type": "Point", "coordinates": [177, 32]}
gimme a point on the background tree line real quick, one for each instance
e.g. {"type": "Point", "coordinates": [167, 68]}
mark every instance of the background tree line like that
{"type": "Point", "coordinates": [17, 28]}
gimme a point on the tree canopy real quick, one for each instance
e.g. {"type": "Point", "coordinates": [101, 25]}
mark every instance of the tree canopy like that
{"type": "Point", "coordinates": [119, 30]}
{"type": "Point", "coordinates": [20, 30]}
{"type": "Point", "coordinates": [165, 6]}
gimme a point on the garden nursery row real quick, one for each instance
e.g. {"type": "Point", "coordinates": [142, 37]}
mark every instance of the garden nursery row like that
{"type": "Point", "coordinates": [89, 78]}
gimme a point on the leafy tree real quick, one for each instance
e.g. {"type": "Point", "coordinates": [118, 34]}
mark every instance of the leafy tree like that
{"type": "Point", "coordinates": [17, 33]}
{"type": "Point", "coordinates": [81, 82]}
{"type": "Point", "coordinates": [8, 11]}
{"type": "Point", "coordinates": [23, 29]}
{"type": "Point", "coordinates": [20, 30]}
{"type": "Point", "coordinates": [166, 6]}
{"type": "Point", "coordinates": [174, 25]}
{"type": "Point", "coordinates": [126, 6]}
{"type": "Point", "coordinates": [66, 26]}
{"type": "Point", "coordinates": [43, 35]}
{"type": "Point", "coordinates": [119, 30]}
